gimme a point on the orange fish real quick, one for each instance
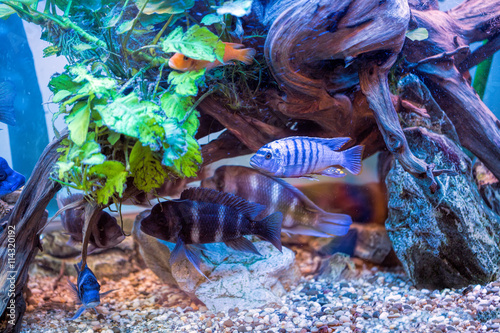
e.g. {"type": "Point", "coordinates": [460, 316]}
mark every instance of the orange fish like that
{"type": "Point", "coordinates": [233, 51]}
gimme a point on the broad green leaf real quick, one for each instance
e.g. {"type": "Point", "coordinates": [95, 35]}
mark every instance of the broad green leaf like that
{"type": "Point", "coordinates": [176, 106]}
{"type": "Point", "coordinates": [197, 43]}
{"type": "Point", "coordinates": [97, 85]}
{"type": "Point", "coordinates": [164, 6]}
{"type": "Point", "coordinates": [418, 34]}
{"type": "Point", "coordinates": [175, 144]}
{"type": "Point", "coordinates": [158, 18]}
{"type": "Point", "coordinates": [189, 163]}
{"type": "Point", "coordinates": [89, 153]}
{"type": "Point", "coordinates": [113, 177]}
{"type": "Point", "coordinates": [210, 19]}
{"type": "Point", "coordinates": [186, 83]}
{"type": "Point", "coordinates": [78, 122]}
{"type": "Point", "coordinates": [63, 168]}
{"type": "Point", "coordinates": [61, 94]}
{"type": "Point", "coordinates": [63, 82]}
{"type": "Point", "coordinates": [6, 11]}
{"type": "Point", "coordinates": [237, 8]}
{"type": "Point", "coordinates": [148, 172]}
{"type": "Point", "coordinates": [113, 137]}
{"type": "Point", "coordinates": [124, 27]}
{"type": "Point", "coordinates": [138, 119]}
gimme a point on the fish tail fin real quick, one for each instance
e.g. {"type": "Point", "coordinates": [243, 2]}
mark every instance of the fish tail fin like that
{"type": "Point", "coordinates": [352, 159]}
{"type": "Point", "coordinates": [246, 55]}
{"type": "Point", "coordinates": [334, 224]}
{"type": "Point", "coordinates": [270, 229]}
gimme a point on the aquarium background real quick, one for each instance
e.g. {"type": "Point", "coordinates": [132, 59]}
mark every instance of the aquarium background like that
{"type": "Point", "coordinates": [22, 62]}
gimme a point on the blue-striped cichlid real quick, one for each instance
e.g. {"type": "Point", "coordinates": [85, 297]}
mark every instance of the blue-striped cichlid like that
{"type": "Point", "coordinates": [10, 180]}
{"type": "Point", "coordinates": [299, 156]}
{"type": "Point", "coordinates": [204, 216]}
{"type": "Point", "coordinates": [86, 291]}
{"type": "Point", "coordinates": [300, 215]}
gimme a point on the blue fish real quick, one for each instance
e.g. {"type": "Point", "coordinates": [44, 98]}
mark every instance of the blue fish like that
{"type": "Point", "coordinates": [86, 291]}
{"type": "Point", "coordinates": [300, 156]}
{"type": "Point", "coordinates": [9, 179]}
{"type": "Point", "coordinates": [7, 96]}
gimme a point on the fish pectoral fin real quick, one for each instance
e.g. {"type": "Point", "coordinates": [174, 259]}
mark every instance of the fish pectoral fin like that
{"type": "Point", "coordinates": [309, 178]}
{"type": "Point", "coordinates": [74, 292]}
{"type": "Point", "coordinates": [242, 244]}
{"type": "Point", "coordinates": [107, 292]}
{"type": "Point", "coordinates": [77, 314]}
{"type": "Point", "coordinates": [194, 258]}
{"type": "Point", "coordinates": [306, 231]}
{"type": "Point", "coordinates": [333, 172]}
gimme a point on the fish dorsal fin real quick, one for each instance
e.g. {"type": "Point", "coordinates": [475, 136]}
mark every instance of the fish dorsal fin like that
{"type": "Point", "coordinates": [332, 143]}
{"type": "Point", "coordinates": [248, 209]}
{"type": "Point", "coordinates": [235, 45]}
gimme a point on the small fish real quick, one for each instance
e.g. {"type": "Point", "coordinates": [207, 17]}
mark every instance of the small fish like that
{"type": "Point", "coordinates": [106, 233]}
{"type": "Point", "coordinates": [300, 215]}
{"type": "Point", "coordinates": [233, 51]}
{"type": "Point", "coordinates": [7, 96]}
{"type": "Point", "coordinates": [10, 180]}
{"type": "Point", "coordinates": [204, 216]}
{"type": "Point", "coordinates": [86, 292]}
{"type": "Point", "coordinates": [299, 156]}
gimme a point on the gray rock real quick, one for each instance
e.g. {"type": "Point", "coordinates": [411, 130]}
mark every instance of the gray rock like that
{"type": "Point", "coordinates": [333, 267]}
{"type": "Point", "coordinates": [237, 279]}
{"type": "Point", "coordinates": [448, 239]}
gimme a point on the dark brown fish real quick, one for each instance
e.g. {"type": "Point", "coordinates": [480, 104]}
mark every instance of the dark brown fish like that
{"type": "Point", "coordinates": [204, 216]}
{"type": "Point", "coordinates": [300, 215]}
{"type": "Point", "coordinates": [105, 234]}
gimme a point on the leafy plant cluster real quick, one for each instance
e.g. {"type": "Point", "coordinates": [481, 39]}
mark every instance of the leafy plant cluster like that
{"type": "Point", "coordinates": [125, 122]}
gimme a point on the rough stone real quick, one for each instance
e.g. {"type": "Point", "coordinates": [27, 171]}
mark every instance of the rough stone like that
{"type": "Point", "coordinates": [447, 239]}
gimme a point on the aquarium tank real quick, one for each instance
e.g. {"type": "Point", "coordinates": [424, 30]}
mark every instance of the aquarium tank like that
{"type": "Point", "coordinates": [249, 166]}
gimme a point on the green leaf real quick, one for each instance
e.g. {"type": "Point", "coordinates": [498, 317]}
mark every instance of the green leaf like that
{"type": "Point", "coordinates": [237, 8]}
{"type": "Point", "coordinates": [189, 163]}
{"type": "Point", "coordinates": [197, 43]}
{"type": "Point", "coordinates": [158, 18]}
{"type": "Point", "coordinates": [113, 137]}
{"type": "Point", "coordinates": [139, 119]}
{"type": "Point", "coordinates": [210, 19]}
{"type": "Point", "coordinates": [148, 172]}
{"type": "Point", "coordinates": [164, 6]}
{"type": "Point", "coordinates": [186, 83]}
{"type": "Point", "coordinates": [175, 144]}
{"type": "Point", "coordinates": [80, 47]}
{"type": "Point", "coordinates": [417, 34]}
{"type": "Point", "coordinates": [89, 153]}
{"type": "Point", "coordinates": [176, 107]}
{"type": "Point", "coordinates": [113, 177]}
{"type": "Point", "coordinates": [63, 82]}
{"type": "Point", "coordinates": [50, 51]}
{"type": "Point", "coordinates": [78, 122]}
{"type": "Point", "coordinates": [124, 27]}
{"type": "Point", "coordinates": [6, 11]}
{"type": "Point", "coordinates": [64, 168]}
{"type": "Point", "coordinates": [61, 94]}
{"type": "Point", "coordinates": [97, 85]}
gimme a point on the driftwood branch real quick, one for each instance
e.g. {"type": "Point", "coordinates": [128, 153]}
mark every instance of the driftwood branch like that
{"type": "Point", "coordinates": [28, 218]}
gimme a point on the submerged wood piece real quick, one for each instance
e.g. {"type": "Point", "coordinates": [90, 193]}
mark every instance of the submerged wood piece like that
{"type": "Point", "coordinates": [449, 239]}
{"type": "Point", "coordinates": [27, 220]}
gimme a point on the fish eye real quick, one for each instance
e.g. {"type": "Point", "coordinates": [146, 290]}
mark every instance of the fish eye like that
{"type": "Point", "coordinates": [186, 58]}
{"type": "Point", "coordinates": [268, 156]}
{"type": "Point", "coordinates": [219, 184]}
{"type": "Point", "coordinates": [3, 175]}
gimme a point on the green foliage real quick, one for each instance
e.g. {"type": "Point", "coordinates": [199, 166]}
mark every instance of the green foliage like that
{"type": "Point", "coordinates": [126, 124]}
{"type": "Point", "coordinates": [197, 43]}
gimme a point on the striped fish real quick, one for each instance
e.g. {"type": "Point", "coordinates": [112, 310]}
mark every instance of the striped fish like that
{"type": "Point", "coordinates": [298, 156]}
{"type": "Point", "coordinates": [300, 215]}
{"type": "Point", "coordinates": [204, 216]}
{"type": "Point", "coordinates": [86, 292]}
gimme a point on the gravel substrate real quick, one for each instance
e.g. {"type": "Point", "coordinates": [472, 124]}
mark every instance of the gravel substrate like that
{"type": "Point", "coordinates": [367, 299]}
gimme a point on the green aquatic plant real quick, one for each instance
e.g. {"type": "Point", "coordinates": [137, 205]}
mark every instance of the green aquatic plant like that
{"type": "Point", "coordinates": [126, 123]}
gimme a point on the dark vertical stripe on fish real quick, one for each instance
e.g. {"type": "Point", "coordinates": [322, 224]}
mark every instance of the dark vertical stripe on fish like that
{"type": "Point", "coordinates": [315, 153]}
{"type": "Point", "coordinates": [239, 224]}
{"type": "Point", "coordinates": [303, 168]}
{"type": "Point", "coordinates": [228, 225]}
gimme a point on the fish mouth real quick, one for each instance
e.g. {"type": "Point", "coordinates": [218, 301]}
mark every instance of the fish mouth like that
{"type": "Point", "coordinates": [253, 163]}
